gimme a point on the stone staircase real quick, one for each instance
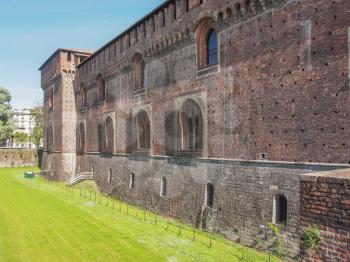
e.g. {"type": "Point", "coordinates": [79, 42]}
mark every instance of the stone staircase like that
{"type": "Point", "coordinates": [80, 177]}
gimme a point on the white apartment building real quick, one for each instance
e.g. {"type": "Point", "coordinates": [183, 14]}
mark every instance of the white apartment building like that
{"type": "Point", "coordinates": [24, 122]}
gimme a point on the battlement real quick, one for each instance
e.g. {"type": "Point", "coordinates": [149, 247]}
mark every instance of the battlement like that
{"type": "Point", "coordinates": [168, 25]}
{"type": "Point", "coordinates": [61, 59]}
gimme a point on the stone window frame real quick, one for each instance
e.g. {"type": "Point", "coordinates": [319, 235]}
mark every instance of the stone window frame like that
{"type": "Point", "coordinates": [201, 99]}
{"type": "Point", "coordinates": [143, 139]}
{"type": "Point", "coordinates": [136, 110]}
{"type": "Point", "coordinates": [203, 28]}
{"type": "Point", "coordinates": [105, 116]}
{"type": "Point", "coordinates": [191, 140]}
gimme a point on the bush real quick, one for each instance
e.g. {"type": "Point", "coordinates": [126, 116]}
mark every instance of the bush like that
{"type": "Point", "coordinates": [312, 237]}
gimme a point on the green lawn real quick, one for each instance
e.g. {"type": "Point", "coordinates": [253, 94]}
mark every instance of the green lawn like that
{"type": "Point", "coordinates": [45, 222]}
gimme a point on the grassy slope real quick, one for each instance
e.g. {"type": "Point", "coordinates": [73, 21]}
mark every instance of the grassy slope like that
{"type": "Point", "coordinates": [44, 222]}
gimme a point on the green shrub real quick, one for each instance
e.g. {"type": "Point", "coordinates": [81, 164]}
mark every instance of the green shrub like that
{"type": "Point", "coordinates": [312, 237]}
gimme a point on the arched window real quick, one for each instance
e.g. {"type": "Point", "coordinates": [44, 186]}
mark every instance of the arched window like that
{"type": "Point", "coordinates": [142, 130]}
{"type": "Point", "coordinates": [81, 138]}
{"type": "Point", "coordinates": [49, 139]}
{"type": "Point", "coordinates": [207, 43]}
{"type": "Point", "coordinates": [163, 187]}
{"type": "Point", "coordinates": [212, 51]}
{"type": "Point", "coordinates": [101, 88]}
{"type": "Point", "coordinates": [140, 72]}
{"type": "Point", "coordinates": [191, 126]}
{"type": "Point", "coordinates": [110, 173]}
{"type": "Point", "coordinates": [210, 195]}
{"type": "Point", "coordinates": [132, 180]}
{"type": "Point", "coordinates": [280, 210]}
{"type": "Point", "coordinates": [83, 92]}
{"type": "Point", "coordinates": [109, 136]}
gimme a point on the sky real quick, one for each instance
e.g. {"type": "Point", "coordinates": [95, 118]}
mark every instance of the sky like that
{"type": "Point", "coordinates": [31, 30]}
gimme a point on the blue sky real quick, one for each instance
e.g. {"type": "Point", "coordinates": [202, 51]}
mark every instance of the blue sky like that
{"type": "Point", "coordinates": [31, 30]}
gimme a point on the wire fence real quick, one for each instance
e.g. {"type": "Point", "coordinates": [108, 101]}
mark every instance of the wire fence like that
{"type": "Point", "coordinates": [140, 214]}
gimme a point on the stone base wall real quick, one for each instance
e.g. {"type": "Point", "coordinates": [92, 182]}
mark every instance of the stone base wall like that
{"type": "Point", "coordinates": [325, 203]}
{"type": "Point", "coordinates": [19, 157]}
{"type": "Point", "coordinates": [58, 166]}
{"type": "Point", "coordinates": [243, 198]}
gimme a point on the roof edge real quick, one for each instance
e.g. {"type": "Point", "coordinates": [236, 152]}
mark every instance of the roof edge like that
{"type": "Point", "coordinates": [138, 22]}
{"type": "Point", "coordinates": [85, 52]}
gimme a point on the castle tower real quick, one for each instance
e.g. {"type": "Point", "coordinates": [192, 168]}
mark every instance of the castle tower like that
{"type": "Point", "coordinates": [57, 75]}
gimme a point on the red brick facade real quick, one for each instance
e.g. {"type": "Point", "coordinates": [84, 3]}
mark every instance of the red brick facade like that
{"type": "Point", "coordinates": [229, 102]}
{"type": "Point", "coordinates": [325, 203]}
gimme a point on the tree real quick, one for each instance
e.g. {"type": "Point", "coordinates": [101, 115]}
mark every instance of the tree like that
{"type": "Point", "coordinates": [6, 125]}
{"type": "Point", "coordinates": [37, 132]}
{"type": "Point", "coordinates": [21, 138]}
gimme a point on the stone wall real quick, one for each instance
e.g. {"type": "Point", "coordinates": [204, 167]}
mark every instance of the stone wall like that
{"type": "Point", "coordinates": [19, 157]}
{"type": "Point", "coordinates": [243, 191]}
{"type": "Point", "coordinates": [325, 203]}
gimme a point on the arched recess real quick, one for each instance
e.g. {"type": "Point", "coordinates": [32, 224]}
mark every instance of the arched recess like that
{"type": "Point", "coordinates": [207, 42]}
{"type": "Point", "coordinates": [163, 187]}
{"type": "Point", "coordinates": [49, 139]}
{"type": "Point", "coordinates": [140, 71]}
{"type": "Point", "coordinates": [142, 131]}
{"type": "Point", "coordinates": [83, 94]}
{"type": "Point", "coordinates": [132, 180]}
{"type": "Point", "coordinates": [109, 136]}
{"type": "Point", "coordinates": [210, 195]}
{"type": "Point", "coordinates": [101, 88]}
{"type": "Point", "coordinates": [191, 126]}
{"type": "Point", "coordinates": [100, 137]}
{"type": "Point", "coordinates": [51, 93]}
{"type": "Point", "coordinates": [81, 138]}
{"type": "Point", "coordinates": [280, 210]}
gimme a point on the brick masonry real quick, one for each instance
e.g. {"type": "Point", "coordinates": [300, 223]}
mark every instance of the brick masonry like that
{"type": "Point", "coordinates": [325, 203]}
{"type": "Point", "coordinates": [274, 107]}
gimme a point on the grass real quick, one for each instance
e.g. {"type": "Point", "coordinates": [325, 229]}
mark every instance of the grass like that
{"type": "Point", "coordinates": [41, 221]}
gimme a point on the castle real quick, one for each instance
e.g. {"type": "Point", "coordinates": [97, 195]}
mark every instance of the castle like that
{"type": "Point", "coordinates": [225, 114]}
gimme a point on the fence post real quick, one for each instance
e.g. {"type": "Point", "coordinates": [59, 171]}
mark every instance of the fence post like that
{"type": "Point", "coordinates": [210, 240]}
{"type": "Point", "coordinates": [167, 223]}
{"type": "Point", "coordinates": [100, 199]}
{"type": "Point", "coordinates": [127, 209]}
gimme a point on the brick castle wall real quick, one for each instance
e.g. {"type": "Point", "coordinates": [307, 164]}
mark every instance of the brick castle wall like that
{"type": "Point", "coordinates": [325, 203]}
